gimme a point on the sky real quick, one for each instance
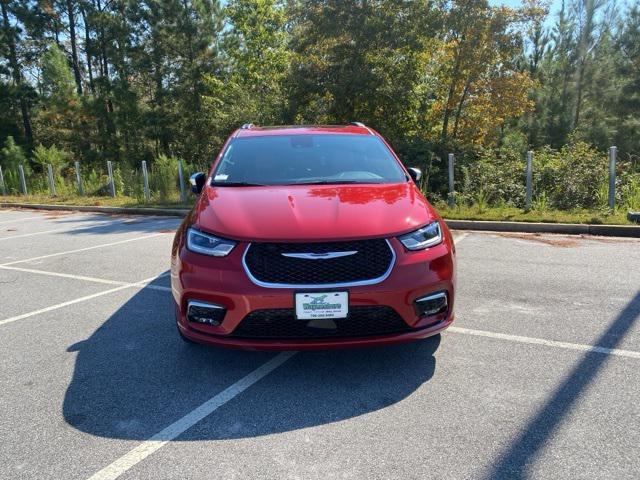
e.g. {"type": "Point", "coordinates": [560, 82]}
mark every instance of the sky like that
{"type": "Point", "coordinates": [555, 4]}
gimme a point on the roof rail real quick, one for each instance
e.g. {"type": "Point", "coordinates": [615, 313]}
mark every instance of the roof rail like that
{"type": "Point", "coordinates": [360, 124]}
{"type": "Point", "coordinates": [247, 126]}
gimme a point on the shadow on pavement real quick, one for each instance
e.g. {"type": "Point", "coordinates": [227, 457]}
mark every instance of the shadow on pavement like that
{"type": "Point", "coordinates": [134, 376]}
{"type": "Point", "coordinates": [515, 461]}
{"type": "Point", "coordinates": [105, 224]}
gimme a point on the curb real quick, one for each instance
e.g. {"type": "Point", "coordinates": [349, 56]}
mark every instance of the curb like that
{"type": "Point", "coordinates": [479, 225]}
{"type": "Point", "coordinates": [564, 228]}
{"type": "Point", "coordinates": [173, 212]}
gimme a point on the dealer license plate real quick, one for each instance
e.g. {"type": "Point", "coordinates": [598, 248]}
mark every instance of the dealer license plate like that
{"type": "Point", "coordinates": [316, 305]}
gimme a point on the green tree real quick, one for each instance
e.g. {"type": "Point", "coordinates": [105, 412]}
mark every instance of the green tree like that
{"type": "Point", "coordinates": [57, 79]}
{"type": "Point", "coordinates": [57, 117]}
{"type": "Point", "coordinates": [21, 92]}
{"type": "Point", "coordinates": [626, 108]}
{"type": "Point", "coordinates": [482, 84]}
{"type": "Point", "coordinates": [198, 28]}
{"type": "Point", "coordinates": [257, 46]}
{"type": "Point", "coordinates": [364, 61]}
{"type": "Point", "coordinates": [12, 154]}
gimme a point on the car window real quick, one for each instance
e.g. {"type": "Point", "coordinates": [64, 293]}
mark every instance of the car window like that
{"type": "Point", "coordinates": [304, 159]}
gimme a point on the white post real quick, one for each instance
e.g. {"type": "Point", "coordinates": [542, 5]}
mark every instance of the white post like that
{"type": "Point", "coordinates": [79, 179]}
{"type": "Point", "coordinates": [23, 182]}
{"type": "Point", "coordinates": [452, 199]}
{"type": "Point", "coordinates": [112, 184]}
{"type": "Point", "coordinates": [52, 184]}
{"type": "Point", "coordinates": [613, 151]}
{"type": "Point", "coordinates": [4, 188]}
{"type": "Point", "coordinates": [145, 176]}
{"type": "Point", "coordinates": [529, 172]}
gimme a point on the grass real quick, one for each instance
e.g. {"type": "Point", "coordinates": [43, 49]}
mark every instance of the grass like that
{"type": "Point", "coordinates": [513, 214]}
{"type": "Point", "coordinates": [458, 212]}
{"type": "Point", "coordinates": [119, 201]}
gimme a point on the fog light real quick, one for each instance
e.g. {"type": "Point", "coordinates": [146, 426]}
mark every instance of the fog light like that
{"type": "Point", "coordinates": [431, 304]}
{"type": "Point", "coordinates": [205, 313]}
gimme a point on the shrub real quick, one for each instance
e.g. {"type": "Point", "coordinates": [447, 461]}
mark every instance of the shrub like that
{"type": "Point", "coordinates": [163, 179]}
{"type": "Point", "coordinates": [572, 177]}
{"type": "Point", "coordinates": [631, 193]}
{"type": "Point", "coordinates": [52, 155]}
{"type": "Point", "coordinates": [95, 182]}
{"type": "Point", "coordinates": [496, 177]}
{"type": "Point", "coordinates": [132, 182]}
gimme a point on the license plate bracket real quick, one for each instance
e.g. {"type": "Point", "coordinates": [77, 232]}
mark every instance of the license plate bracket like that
{"type": "Point", "coordinates": [321, 305]}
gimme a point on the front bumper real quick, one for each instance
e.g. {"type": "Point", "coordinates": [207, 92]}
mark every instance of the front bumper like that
{"type": "Point", "coordinates": [223, 281]}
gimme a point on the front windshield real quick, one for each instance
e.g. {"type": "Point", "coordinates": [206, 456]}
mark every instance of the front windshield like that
{"type": "Point", "coordinates": [307, 159]}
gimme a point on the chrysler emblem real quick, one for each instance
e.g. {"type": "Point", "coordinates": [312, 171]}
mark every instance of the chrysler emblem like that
{"type": "Point", "coordinates": [319, 256]}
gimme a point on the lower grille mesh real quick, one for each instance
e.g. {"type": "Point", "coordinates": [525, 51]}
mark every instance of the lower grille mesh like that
{"type": "Point", "coordinates": [281, 323]}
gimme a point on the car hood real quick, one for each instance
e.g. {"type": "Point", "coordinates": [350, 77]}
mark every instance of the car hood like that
{"type": "Point", "coordinates": [311, 212]}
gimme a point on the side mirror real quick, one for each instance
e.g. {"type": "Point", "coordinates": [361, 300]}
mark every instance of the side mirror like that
{"type": "Point", "coordinates": [415, 173]}
{"type": "Point", "coordinates": [197, 182]}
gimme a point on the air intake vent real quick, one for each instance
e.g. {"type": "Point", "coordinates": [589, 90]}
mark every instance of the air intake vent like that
{"type": "Point", "coordinates": [281, 323]}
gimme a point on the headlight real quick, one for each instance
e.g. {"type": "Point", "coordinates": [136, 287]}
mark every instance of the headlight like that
{"type": "Point", "coordinates": [423, 238]}
{"type": "Point", "coordinates": [208, 244]}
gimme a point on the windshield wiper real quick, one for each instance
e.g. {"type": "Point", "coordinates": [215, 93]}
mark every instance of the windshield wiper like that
{"type": "Point", "coordinates": [330, 182]}
{"type": "Point", "coordinates": [237, 184]}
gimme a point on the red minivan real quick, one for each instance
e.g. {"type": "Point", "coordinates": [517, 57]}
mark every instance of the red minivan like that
{"type": "Point", "coordinates": [311, 237]}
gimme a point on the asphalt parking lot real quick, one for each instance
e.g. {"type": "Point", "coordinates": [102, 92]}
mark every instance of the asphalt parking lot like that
{"type": "Point", "coordinates": [538, 378]}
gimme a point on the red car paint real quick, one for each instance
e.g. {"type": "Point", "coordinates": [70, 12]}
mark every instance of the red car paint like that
{"type": "Point", "coordinates": [303, 214]}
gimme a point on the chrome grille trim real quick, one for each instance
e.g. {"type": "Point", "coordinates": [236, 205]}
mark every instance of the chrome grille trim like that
{"type": "Point", "coordinates": [371, 281]}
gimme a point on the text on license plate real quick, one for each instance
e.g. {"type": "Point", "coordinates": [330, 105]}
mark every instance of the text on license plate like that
{"type": "Point", "coordinates": [310, 306]}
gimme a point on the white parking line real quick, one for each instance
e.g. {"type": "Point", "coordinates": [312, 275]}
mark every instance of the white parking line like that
{"type": "Point", "coordinates": [19, 219]}
{"type": "Point", "coordinates": [141, 284]}
{"type": "Point", "coordinates": [547, 343]}
{"type": "Point", "coordinates": [85, 249]}
{"type": "Point", "coordinates": [160, 439]}
{"type": "Point", "coordinates": [68, 275]}
{"type": "Point", "coordinates": [146, 284]}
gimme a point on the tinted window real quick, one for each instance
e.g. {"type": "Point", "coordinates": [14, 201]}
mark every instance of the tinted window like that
{"type": "Point", "coordinates": [301, 159]}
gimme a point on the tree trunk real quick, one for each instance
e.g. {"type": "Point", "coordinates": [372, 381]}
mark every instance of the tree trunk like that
{"type": "Point", "coordinates": [74, 49]}
{"type": "Point", "coordinates": [16, 73]}
{"type": "Point", "coordinates": [192, 73]}
{"type": "Point", "coordinates": [463, 97]}
{"type": "Point", "coordinates": [87, 50]}
{"type": "Point", "coordinates": [584, 47]}
{"type": "Point", "coordinates": [104, 68]}
{"type": "Point", "coordinates": [579, 83]}
{"type": "Point", "coordinates": [452, 90]}
{"type": "Point", "coordinates": [447, 110]}
{"type": "Point", "coordinates": [162, 142]}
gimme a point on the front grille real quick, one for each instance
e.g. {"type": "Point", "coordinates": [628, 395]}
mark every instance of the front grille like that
{"type": "Point", "coordinates": [281, 323]}
{"type": "Point", "coordinates": [370, 264]}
